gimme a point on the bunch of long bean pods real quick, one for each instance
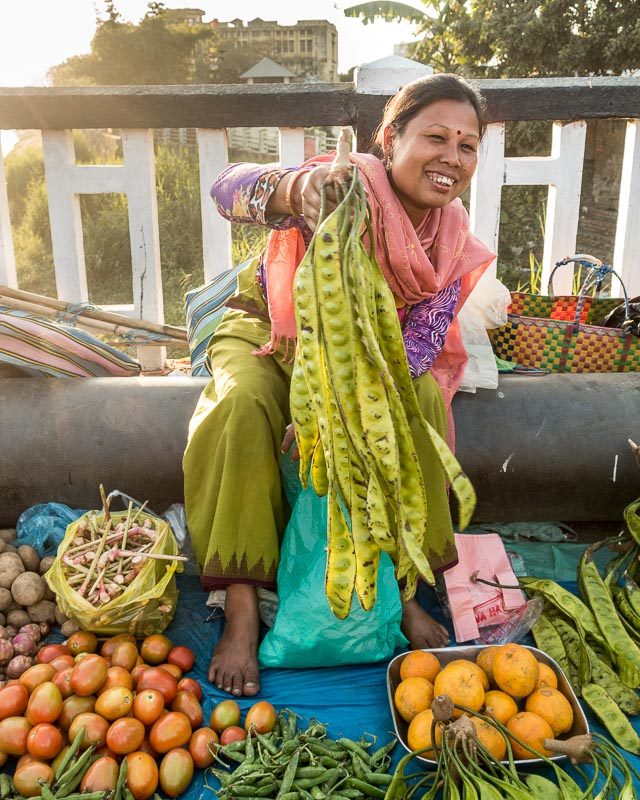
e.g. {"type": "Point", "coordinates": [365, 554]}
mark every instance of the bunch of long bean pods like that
{"type": "Point", "coordinates": [352, 400]}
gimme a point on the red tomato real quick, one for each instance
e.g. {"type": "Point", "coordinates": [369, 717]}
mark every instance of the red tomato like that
{"type": "Point", "coordinates": [233, 733]}
{"type": "Point", "coordinates": [136, 672]}
{"type": "Point", "coordinates": [190, 685]}
{"type": "Point", "coordinates": [160, 679]}
{"type": "Point", "coordinates": [62, 679]}
{"type": "Point", "coordinates": [117, 676]}
{"type": "Point", "coordinates": [142, 775]}
{"type": "Point", "coordinates": [13, 735]}
{"type": "Point", "coordinates": [176, 772]}
{"type": "Point", "coordinates": [125, 655]}
{"type": "Point", "coordinates": [73, 706]}
{"type": "Point", "coordinates": [50, 651]}
{"type": "Point", "coordinates": [148, 705]}
{"type": "Point", "coordinates": [189, 704]}
{"type": "Point", "coordinates": [13, 700]}
{"type": "Point", "coordinates": [224, 715]}
{"type": "Point", "coordinates": [109, 645]}
{"type": "Point", "coordinates": [125, 735]}
{"type": "Point", "coordinates": [182, 657]}
{"type": "Point", "coordinates": [88, 675]}
{"type": "Point", "coordinates": [95, 729]}
{"type": "Point", "coordinates": [172, 669]}
{"type": "Point", "coordinates": [202, 746]}
{"type": "Point", "coordinates": [44, 741]}
{"type": "Point", "coordinates": [38, 673]}
{"type": "Point", "coordinates": [102, 776]}
{"type": "Point", "coordinates": [62, 662]}
{"type": "Point", "coordinates": [171, 730]}
{"type": "Point", "coordinates": [262, 716]}
{"type": "Point", "coordinates": [116, 702]}
{"type": "Point", "coordinates": [155, 648]}
{"type": "Point", "coordinates": [82, 642]}
{"type": "Point", "coordinates": [27, 778]}
{"type": "Point", "coordinates": [45, 703]}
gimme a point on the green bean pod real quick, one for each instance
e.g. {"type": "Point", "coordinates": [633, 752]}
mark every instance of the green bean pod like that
{"type": "Point", "coordinates": [549, 641]}
{"type": "Point", "coordinates": [340, 575]}
{"type": "Point", "coordinates": [610, 715]}
{"type": "Point", "coordinates": [627, 653]}
{"type": "Point", "coordinates": [304, 420]}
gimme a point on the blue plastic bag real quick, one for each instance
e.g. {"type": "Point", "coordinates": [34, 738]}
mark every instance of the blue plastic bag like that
{"type": "Point", "coordinates": [305, 632]}
{"type": "Point", "coordinates": [44, 526]}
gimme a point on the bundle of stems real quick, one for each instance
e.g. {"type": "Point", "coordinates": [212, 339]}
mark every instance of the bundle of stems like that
{"type": "Point", "coordinates": [467, 770]}
{"type": "Point", "coordinates": [106, 555]}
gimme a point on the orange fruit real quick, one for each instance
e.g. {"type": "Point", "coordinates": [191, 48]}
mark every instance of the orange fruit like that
{"type": "Point", "coordinates": [484, 660]}
{"type": "Point", "coordinates": [547, 677]}
{"type": "Point", "coordinates": [419, 732]}
{"type": "Point", "coordinates": [412, 696]}
{"type": "Point", "coordinates": [489, 736]}
{"type": "Point", "coordinates": [419, 664]}
{"type": "Point", "coordinates": [532, 730]}
{"type": "Point", "coordinates": [501, 705]}
{"type": "Point", "coordinates": [552, 706]}
{"type": "Point", "coordinates": [461, 683]}
{"type": "Point", "coordinates": [472, 665]}
{"type": "Point", "coordinates": [515, 670]}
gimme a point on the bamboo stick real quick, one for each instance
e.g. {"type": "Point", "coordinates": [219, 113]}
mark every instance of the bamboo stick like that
{"type": "Point", "coordinates": [91, 326]}
{"type": "Point", "coordinates": [95, 313]}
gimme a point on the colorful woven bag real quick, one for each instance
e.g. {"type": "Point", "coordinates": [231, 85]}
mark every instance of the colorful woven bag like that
{"type": "Point", "coordinates": [559, 334]}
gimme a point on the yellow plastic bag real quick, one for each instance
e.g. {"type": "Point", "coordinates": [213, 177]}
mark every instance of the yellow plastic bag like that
{"type": "Point", "coordinates": [146, 605]}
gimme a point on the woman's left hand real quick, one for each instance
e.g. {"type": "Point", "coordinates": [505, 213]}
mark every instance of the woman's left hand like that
{"type": "Point", "coordinates": [288, 439]}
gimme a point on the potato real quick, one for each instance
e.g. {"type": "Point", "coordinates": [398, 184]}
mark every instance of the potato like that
{"type": "Point", "coordinates": [30, 557]}
{"type": "Point", "coordinates": [10, 548]}
{"type": "Point", "coordinates": [28, 589]}
{"type": "Point", "coordinates": [18, 617]}
{"type": "Point", "coordinates": [44, 611]}
{"type": "Point", "coordinates": [5, 599]}
{"type": "Point", "coordinates": [45, 564]}
{"type": "Point", "coordinates": [10, 567]}
{"type": "Point", "coordinates": [7, 534]}
{"type": "Point", "coordinates": [61, 617]}
{"type": "Point", "coordinates": [69, 627]}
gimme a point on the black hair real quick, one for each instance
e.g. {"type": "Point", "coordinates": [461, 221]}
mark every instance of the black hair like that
{"type": "Point", "coordinates": [423, 92]}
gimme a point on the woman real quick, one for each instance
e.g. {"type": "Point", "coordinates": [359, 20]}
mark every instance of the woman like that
{"type": "Point", "coordinates": [427, 150]}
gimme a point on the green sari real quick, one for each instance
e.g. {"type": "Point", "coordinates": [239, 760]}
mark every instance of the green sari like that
{"type": "Point", "coordinates": [235, 506]}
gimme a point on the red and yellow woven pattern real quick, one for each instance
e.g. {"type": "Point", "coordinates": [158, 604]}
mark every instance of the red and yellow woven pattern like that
{"type": "Point", "coordinates": [541, 332]}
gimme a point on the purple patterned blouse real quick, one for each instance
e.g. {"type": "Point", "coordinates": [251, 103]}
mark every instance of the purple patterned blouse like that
{"type": "Point", "coordinates": [241, 193]}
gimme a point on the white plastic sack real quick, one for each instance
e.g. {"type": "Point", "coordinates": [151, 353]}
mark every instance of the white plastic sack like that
{"type": "Point", "coordinates": [485, 308]}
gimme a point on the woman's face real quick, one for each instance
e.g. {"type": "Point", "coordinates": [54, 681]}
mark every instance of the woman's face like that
{"type": "Point", "coordinates": [435, 156]}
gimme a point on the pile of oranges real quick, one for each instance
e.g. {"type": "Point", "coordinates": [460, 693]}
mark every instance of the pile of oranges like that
{"type": "Point", "coordinates": [506, 682]}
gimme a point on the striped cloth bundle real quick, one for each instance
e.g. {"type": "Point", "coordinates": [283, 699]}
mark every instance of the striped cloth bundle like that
{"type": "Point", "coordinates": [205, 307]}
{"type": "Point", "coordinates": [41, 347]}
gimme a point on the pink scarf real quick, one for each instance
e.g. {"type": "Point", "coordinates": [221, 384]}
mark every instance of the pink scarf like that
{"type": "Point", "coordinates": [417, 263]}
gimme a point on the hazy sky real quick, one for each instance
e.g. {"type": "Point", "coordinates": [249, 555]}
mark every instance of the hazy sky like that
{"type": "Point", "coordinates": [37, 34]}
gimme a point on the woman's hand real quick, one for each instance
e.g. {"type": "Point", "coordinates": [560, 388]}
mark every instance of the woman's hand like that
{"type": "Point", "coordinates": [312, 195]}
{"type": "Point", "coordinates": [288, 440]}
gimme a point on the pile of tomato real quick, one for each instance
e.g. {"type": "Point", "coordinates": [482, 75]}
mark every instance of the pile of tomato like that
{"type": "Point", "coordinates": [133, 701]}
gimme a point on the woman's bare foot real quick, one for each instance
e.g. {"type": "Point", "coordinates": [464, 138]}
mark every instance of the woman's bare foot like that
{"type": "Point", "coordinates": [420, 628]}
{"type": "Point", "coordinates": [234, 663]}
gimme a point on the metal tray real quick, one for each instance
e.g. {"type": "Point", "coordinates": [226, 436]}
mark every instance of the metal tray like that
{"type": "Point", "coordinates": [470, 652]}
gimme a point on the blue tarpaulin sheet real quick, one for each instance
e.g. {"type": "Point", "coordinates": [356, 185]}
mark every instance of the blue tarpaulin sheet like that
{"type": "Point", "coordinates": [351, 700]}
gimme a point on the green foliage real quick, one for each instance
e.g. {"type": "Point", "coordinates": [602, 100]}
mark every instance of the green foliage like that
{"type": "Point", "coordinates": [520, 38]}
{"type": "Point", "coordinates": [155, 51]}
{"type": "Point", "coordinates": [106, 229]}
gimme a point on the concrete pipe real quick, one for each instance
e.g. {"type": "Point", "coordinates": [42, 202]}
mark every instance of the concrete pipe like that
{"type": "Point", "coordinates": [551, 447]}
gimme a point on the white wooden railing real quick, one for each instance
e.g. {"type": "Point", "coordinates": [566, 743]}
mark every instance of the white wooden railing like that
{"type": "Point", "coordinates": [567, 105]}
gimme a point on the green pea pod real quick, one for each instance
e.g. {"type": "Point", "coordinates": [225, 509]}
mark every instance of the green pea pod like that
{"type": "Point", "coordinates": [610, 715]}
{"type": "Point", "coordinates": [576, 646]}
{"type": "Point", "coordinates": [543, 787]}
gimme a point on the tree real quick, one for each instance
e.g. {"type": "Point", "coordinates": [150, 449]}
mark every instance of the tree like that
{"type": "Point", "coordinates": [520, 38]}
{"type": "Point", "coordinates": [156, 51]}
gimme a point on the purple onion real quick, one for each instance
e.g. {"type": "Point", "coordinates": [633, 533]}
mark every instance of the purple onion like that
{"type": "Point", "coordinates": [24, 644]}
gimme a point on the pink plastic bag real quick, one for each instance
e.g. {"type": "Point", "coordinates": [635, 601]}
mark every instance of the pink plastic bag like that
{"type": "Point", "coordinates": [476, 605]}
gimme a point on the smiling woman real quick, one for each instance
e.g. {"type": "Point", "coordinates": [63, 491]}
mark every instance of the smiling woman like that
{"type": "Point", "coordinates": [426, 151]}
